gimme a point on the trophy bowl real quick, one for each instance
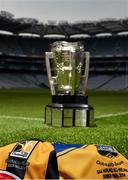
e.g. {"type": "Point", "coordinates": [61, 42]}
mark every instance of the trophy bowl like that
{"type": "Point", "coordinates": [67, 68]}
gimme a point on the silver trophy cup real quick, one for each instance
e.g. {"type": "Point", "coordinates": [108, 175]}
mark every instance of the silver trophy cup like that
{"type": "Point", "coordinates": [67, 68]}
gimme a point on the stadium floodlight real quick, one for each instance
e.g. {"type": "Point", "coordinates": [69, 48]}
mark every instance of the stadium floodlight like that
{"type": "Point", "coordinates": [123, 33]}
{"type": "Point", "coordinates": [52, 36]}
{"type": "Point", "coordinates": [103, 34]}
{"type": "Point", "coordinates": [6, 32]}
{"type": "Point", "coordinates": [80, 36]}
{"type": "Point", "coordinates": [67, 67]}
{"type": "Point", "coordinates": [29, 35]}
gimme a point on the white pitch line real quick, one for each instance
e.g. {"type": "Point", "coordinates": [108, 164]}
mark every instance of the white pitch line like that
{"type": "Point", "coordinates": [41, 119]}
{"type": "Point", "coordinates": [111, 115]}
{"type": "Point", "coordinates": [21, 117]}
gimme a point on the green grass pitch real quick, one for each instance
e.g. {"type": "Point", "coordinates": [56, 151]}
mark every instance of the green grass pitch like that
{"type": "Point", "coordinates": [111, 113]}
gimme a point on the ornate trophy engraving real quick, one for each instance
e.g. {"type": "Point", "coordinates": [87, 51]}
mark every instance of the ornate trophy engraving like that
{"type": "Point", "coordinates": [67, 68]}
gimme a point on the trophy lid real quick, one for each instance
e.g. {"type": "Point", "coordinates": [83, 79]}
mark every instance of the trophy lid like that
{"type": "Point", "coordinates": [67, 46]}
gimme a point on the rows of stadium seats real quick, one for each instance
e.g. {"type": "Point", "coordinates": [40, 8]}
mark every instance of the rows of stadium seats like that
{"type": "Point", "coordinates": [9, 45]}
{"type": "Point", "coordinates": [106, 47]}
{"type": "Point", "coordinates": [33, 46]}
{"type": "Point", "coordinates": [22, 80]}
{"type": "Point", "coordinates": [101, 46]}
{"type": "Point", "coordinates": [23, 46]}
{"type": "Point", "coordinates": [108, 82]}
{"type": "Point", "coordinates": [100, 82]}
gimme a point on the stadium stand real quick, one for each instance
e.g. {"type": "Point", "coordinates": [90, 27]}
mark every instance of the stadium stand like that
{"type": "Point", "coordinates": [22, 61]}
{"type": "Point", "coordinates": [97, 81]}
{"type": "Point", "coordinates": [17, 80]}
{"type": "Point", "coordinates": [117, 83]}
{"type": "Point", "coordinates": [110, 82]}
{"type": "Point", "coordinates": [9, 45]}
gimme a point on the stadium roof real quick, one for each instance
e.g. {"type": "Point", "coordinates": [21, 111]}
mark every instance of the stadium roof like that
{"type": "Point", "coordinates": [18, 26]}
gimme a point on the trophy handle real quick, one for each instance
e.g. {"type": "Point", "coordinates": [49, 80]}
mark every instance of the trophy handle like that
{"type": "Point", "coordinates": [86, 69]}
{"type": "Point", "coordinates": [51, 79]}
{"type": "Point", "coordinates": [84, 77]}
